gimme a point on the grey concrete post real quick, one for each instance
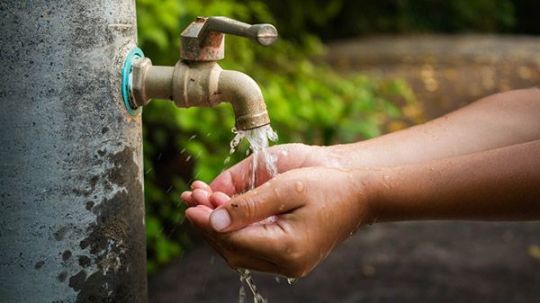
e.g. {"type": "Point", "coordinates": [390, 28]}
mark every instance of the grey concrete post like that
{"type": "Point", "coordinates": [71, 187]}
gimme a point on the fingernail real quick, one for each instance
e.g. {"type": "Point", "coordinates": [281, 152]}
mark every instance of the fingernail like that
{"type": "Point", "coordinates": [220, 219]}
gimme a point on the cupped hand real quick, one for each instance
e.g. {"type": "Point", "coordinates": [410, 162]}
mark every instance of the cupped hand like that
{"type": "Point", "coordinates": [236, 180]}
{"type": "Point", "coordinates": [314, 209]}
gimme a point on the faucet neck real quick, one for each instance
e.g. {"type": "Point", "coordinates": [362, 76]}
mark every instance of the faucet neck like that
{"type": "Point", "coordinates": [245, 97]}
{"type": "Point", "coordinates": [201, 84]}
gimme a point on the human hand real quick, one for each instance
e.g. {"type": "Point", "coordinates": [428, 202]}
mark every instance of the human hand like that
{"type": "Point", "coordinates": [315, 209]}
{"type": "Point", "coordinates": [236, 180]}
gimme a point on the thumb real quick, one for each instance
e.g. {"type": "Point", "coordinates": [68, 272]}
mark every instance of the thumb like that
{"type": "Point", "coordinates": [270, 199]}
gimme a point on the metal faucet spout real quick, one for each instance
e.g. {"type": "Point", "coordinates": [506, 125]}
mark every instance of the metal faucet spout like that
{"type": "Point", "coordinates": [200, 84]}
{"type": "Point", "coordinates": [245, 97]}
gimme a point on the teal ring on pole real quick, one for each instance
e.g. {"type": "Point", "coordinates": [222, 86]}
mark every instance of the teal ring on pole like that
{"type": "Point", "coordinates": [127, 69]}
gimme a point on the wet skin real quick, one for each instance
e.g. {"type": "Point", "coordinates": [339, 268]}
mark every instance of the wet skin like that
{"type": "Point", "coordinates": [481, 162]}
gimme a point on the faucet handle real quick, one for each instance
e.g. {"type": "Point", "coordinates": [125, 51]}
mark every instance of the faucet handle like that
{"type": "Point", "coordinates": [204, 39]}
{"type": "Point", "coordinates": [265, 34]}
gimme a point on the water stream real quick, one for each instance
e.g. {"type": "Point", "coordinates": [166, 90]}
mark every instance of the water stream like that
{"type": "Point", "coordinates": [258, 140]}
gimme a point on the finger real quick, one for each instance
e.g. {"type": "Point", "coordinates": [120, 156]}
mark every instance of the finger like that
{"type": "Point", "coordinates": [236, 250]}
{"type": "Point", "coordinates": [254, 247]}
{"type": "Point", "coordinates": [235, 258]}
{"type": "Point", "coordinates": [218, 198]}
{"type": "Point", "coordinates": [186, 197]}
{"type": "Point", "coordinates": [273, 243]}
{"type": "Point", "coordinates": [238, 179]}
{"type": "Point", "coordinates": [199, 216]}
{"type": "Point", "coordinates": [232, 180]}
{"type": "Point", "coordinates": [264, 241]}
{"type": "Point", "coordinates": [200, 185]}
{"type": "Point", "coordinates": [200, 197]}
{"type": "Point", "coordinates": [275, 197]}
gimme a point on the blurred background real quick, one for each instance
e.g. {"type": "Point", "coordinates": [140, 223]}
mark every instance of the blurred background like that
{"type": "Point", "coordinates": [344, 71]}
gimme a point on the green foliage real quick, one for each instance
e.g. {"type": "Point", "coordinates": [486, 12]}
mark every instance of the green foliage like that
{"type": "Point", "coordinates": [341, 18]}
{"type": "Point", "coordinates": [307, 102]}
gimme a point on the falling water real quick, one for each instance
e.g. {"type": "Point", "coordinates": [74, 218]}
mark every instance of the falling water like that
{"type": "Point", "coordinates": [247, 279]}
{"type": "Point", "coordinates": [258, 140]}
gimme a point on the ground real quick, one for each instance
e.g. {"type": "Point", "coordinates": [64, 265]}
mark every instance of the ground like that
{"type": "Point", "coordinates": [392, 262]}
{"type": "Point", "coordinates": [405, 262]}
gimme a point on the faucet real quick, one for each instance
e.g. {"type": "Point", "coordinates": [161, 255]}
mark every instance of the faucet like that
{"type": "Point", "coordinates": [197, 79]}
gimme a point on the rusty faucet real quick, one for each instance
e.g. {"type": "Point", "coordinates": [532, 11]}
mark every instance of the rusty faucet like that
{"type": "Point", "coordinates": [197, 79]}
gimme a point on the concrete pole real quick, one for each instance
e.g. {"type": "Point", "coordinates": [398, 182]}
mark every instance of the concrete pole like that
{"type": "Point", "coordinates": [71, 186]}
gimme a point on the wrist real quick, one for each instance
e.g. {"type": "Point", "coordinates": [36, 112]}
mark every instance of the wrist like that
{"type": "Point", "coordinates": [369, 189]}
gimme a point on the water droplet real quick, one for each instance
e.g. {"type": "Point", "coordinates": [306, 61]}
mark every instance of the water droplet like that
{"type": "Point", "coordinates": [372, 221]}
{"type": "Point", "coordinates": [192, 137]}
{"type": "Point", "coordinates": [292, 281]}
{"type": "Point", "coordinates": [277, 193]}
{"type": "Point", "coordinates": [188, 158]}
{"type": "Point", "coordinates": [299, 186]}
{"type": "Point", "coordinates": [386, 182]}
{"type": "Point", "coordinates": [368, 270]}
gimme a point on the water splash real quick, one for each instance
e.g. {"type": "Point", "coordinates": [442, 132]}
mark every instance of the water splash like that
{"type": "Point", "coordinates": [259, 139]}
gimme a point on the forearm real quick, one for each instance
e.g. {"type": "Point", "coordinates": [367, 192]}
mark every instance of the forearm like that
{"type": "Point", "coordinates": [500, 184]}
{"type": "Point", "coordinates": [493, 122]}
